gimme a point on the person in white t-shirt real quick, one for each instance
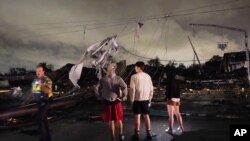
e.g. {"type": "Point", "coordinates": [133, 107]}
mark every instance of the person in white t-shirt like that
{"type": "Point", "coordinates": [141, 95]}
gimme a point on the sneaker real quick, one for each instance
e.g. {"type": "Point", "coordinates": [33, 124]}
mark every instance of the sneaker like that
{"type": "Point", "coordinates": [136, 136]}
{"type": "Point", "coordinates": [169, 131]}
{"type": "Point", "coordinates": [149, 136]}
{"type": "Point", "coordinates": [121, 138]}
{"type": "Point", "coordinates": [179, 131]}
{"type": "Point", "coordinates": [113, 139]}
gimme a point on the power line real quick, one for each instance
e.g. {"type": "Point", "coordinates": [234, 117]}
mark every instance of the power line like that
{"type": "Point", "coordinates": [212, 11]}
{"type": "Point", "coordinates": [71, 26]}
{"type": "Point", "coordinates": [165, 16]}
{"type": "Point", "coordinates": [121, 19]}
{"type": "Point", "coordinates": [205, 6]}
{"type": "Point", "coordinates": [161, 33]}
{"type": "Point", "coordinates": [80, 30]}
{"type": "Point", "coordinates": [71, 22]}
{"type": "Point", "coordinates": [148, 58]}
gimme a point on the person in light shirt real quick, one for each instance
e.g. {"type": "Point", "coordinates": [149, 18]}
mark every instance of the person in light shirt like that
{"type": "Point", "coordinates": [109, 90]}
{"type": "Point", "coordinates": [141, 87]}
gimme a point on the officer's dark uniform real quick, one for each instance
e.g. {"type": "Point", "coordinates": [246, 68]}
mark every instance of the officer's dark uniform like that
{"type": "Point", "coordinates": [42, 99]}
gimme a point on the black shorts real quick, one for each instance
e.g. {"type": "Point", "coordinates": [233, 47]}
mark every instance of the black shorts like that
{"type": "Point", "coordinates": [141, 107]}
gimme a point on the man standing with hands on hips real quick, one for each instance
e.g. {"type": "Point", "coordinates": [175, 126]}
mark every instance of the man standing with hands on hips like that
{"type": "Point", "coordinates": [109, 89]}
{"type": "Point", "coordinates": [141, 95]}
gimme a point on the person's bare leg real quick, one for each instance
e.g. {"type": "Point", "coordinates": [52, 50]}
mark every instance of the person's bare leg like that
{"type": "Point", "coordinates": [178, 116]}
{"type": "Point", "coordinates": [137, 126]}
{"type": "Point", "coordinates": [147, 122]}
{"type": "Point", "coordinates": [171, 117]}
{"type": "Point", "coordinates": [148, 126]}
{"type": "Point", "coordinates": [120, 126]}
{"type": "Point", "coordinates": [137, 122]}
{"type": "Point", "coordinates": [112, 129]}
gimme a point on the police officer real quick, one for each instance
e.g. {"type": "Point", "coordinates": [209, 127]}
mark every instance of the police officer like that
{"type": "Point", "coordinates": [42, 91]}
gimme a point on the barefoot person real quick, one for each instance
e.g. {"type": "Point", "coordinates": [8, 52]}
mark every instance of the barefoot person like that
{"type": "Point", "coordinates": [141, 94]}
{"type": "Point", "coordinates": [173, 101]}
{"type": "Point", "coordinates": [109, 90]}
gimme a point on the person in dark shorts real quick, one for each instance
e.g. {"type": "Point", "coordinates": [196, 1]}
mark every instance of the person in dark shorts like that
{"type": "Point", "coordinates": [109, 89]}
{"type": "Point", "coordinates": [141, 87]}
{"type": "Point", "coordinates": [173, 100]}
{"type": "Point", "coordinates": [141, 107]}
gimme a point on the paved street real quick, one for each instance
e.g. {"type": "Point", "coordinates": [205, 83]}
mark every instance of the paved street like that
{"type": "Point", "coordinates": [71, 129]}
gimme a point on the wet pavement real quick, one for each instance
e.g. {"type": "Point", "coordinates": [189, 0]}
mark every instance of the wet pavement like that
{"type": "Point", "coordinates": [82, 123]}
{"type": "Point", "coordinates": [73, 129]}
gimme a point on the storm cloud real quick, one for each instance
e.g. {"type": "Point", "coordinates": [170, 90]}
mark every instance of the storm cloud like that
{"type": "Point", "coordinates": [19, 53]}
{"type": "Point", "coordinates": [33, 31]}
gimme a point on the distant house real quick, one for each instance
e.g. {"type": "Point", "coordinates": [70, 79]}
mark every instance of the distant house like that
{"type": "Point", "coordinates": [234, 61]}
{"type": "Point", "coordinates": [4, 83]}
{"type": "Point", "coordinates": [13, 78]}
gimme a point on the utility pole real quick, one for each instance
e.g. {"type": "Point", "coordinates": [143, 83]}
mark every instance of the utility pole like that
{"type": "Point", "coordinates": [194, 51]}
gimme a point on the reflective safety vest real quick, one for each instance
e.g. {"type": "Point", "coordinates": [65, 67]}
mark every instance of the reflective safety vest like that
{"type": "Point", "coordinates": [38, 93]}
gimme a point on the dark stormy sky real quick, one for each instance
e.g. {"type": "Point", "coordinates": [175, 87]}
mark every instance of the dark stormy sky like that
{"type": "Point", "coordinates": [33, 31]}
